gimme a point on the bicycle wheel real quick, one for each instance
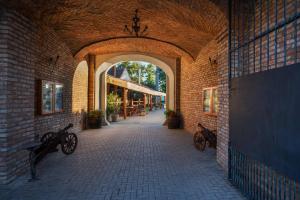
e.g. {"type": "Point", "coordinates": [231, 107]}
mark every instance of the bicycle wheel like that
{"type": "Point", "coordinates": [199, 141]}
{"type": "Point", "coordinates": [69, 143]}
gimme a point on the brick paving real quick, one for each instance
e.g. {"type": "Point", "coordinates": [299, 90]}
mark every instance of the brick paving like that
{"type": "Point", "coordinates": [133, 159]}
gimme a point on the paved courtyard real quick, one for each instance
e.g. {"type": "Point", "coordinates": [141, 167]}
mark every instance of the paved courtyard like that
{"type": "Point", "coordinates": [133, 159]}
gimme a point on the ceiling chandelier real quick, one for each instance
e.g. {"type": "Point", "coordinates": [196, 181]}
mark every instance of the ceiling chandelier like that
{"type": "Point", "coordinates": [136, 26]}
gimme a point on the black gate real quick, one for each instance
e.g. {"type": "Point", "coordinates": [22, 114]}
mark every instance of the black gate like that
{"type": "Point", "coordinates": [264, 152]}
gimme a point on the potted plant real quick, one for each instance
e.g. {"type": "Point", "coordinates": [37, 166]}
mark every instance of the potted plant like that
{"type": "Point", "coordinates": [113, 106]}
{"type": "Point", "coordinates": [110, 106]}
{"type": "Point", "coordinates": [166, 113]}
{"type": "Point", "coordinates": [117, 107]}
{"type": "Point", "coordinates": [147, 109]}
{"type": "Point", "coordinates": [94, 119]}
{"type": "Point", "coordinates": [173, 119]}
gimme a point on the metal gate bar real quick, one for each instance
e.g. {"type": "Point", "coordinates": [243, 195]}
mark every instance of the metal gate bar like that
{"type": "Point", "coordinates": [258, 51]}
{"type": "Point", "coordinates": [296, 31]}
{"type": "Point", "coordinates": [258, 181]}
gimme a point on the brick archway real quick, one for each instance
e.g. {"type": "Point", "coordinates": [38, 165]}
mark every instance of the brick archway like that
{"type": "Point", "coordinates": [142, 45]}
{"type": "Point", "coordinates": [80, 88]}
{"type": "Point", "coordinates": [178, 30]}
{"type": "Point", "coordinates": [100, 74]}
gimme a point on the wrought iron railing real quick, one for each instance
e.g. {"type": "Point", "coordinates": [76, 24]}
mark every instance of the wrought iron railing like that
{"type": "Point", "coordinates": [258, 181]}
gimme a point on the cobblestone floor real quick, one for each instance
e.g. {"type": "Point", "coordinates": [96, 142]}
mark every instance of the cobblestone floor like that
{"type": "Point", "coordinates": [133, 159]}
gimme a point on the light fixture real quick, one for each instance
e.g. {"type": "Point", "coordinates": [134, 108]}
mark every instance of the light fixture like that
{"type": "Point", "coordinates": [53, 62]}
{"type": "Point", "coordinates": [136, 26]}
{"type": "Point", "coordinates": [213, 62]}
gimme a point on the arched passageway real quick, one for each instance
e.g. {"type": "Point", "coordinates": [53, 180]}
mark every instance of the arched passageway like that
{"type": "Point", "coordinates": [101, 73]}
{"type": "Point", "coordinates": [54, 57]}
{"type": "Point", "coordinates": [75, 42]}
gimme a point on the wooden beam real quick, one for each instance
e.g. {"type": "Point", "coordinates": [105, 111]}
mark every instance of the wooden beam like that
{"type": "Point", "coordinates": [125, 92]}
{"type": "Point", "coordinates": [132, 86]}
{"type": "Point", "coordinates": [150, 102]}
{"type": "Point", "coordinates": [145, 101]}
{"type": "Point", "coordinates": [91, 82]}
{"type": "Point", "coordinates": [160, 102]}
{"type": "Point", "coordinates": [108, 88]}
{"type": "Point", "coordinates": [178, 84]}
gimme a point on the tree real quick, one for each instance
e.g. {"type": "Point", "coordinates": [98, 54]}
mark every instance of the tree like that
{"type": "Point", "coordinates": [162, 80]}
{"type": "Point", "coordinates": [132, 68]}
{"type": "Point", "coordinates": [147, 74]}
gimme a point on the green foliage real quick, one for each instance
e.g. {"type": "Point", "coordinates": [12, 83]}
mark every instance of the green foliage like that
{"type": "Point", "coordinates": [95, 114]}
{"type": "Point", "coordinates": [113, 103]}
{"type": "Point", "coordinates": [169, 113]}
{"type": "Point", "coordinates": [133, 70]}
{"type": "Point", "coordinates": [147, 73]}
{"type": "Point", "coordinates": [147, 109]}
{"type": "Point", "coordinates": [162, 80]}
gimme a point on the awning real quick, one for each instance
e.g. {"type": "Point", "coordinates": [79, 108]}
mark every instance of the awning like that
{"type": "Point", "coordinates": [133, 86]}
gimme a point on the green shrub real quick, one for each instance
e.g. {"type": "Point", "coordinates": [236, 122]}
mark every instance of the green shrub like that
{"type": "Point", "coordinates": [113, 103]}
{"type": "Point", "coordinates": [95, 114]}
{"type": "Point", "coordinates": [147, 109]}
{"type": "Point", "coordinates": [169, 113]}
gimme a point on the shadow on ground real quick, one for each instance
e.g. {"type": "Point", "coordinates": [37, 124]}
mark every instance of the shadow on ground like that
{"type": "Point", "coordinates": [133, 159]}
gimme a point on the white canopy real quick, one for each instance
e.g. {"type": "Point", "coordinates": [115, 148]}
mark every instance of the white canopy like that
{"type": "Point", "coordinates": [133, 86]}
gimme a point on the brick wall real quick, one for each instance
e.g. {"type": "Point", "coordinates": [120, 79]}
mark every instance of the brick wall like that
{"type": "Point", "coordinates": [80, 88]}
{"type": "Point", "coordinates": [3, 94]}
{"type": "Point", "coordinates": [202, 74]}
{"type": "Point", "coordinates": [195, 77]}
{"type": "Point", "coordinates": [19, 86]}
{"type": "Point", "coordinates": [223, 116]}
{"type": "Point", "coordinates": [62, 72]}
{"type": "Point", "coordinates": [177, 84]}
{"type": "Point", "coordinates": [25, 51]}
{"type": "Point", "coordinates": [261, 54]}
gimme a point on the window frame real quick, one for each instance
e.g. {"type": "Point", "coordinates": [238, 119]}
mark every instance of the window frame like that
{"type": "Point", "coordinates": [211, 101]}
{"type": "Point", "coordinates": [40, 84]}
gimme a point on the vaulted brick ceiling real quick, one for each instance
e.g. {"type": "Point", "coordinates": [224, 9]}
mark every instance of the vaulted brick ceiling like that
{"type": "Point", "coordinates": [188, 24]}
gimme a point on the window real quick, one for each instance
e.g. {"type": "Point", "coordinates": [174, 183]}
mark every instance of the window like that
{"type": "Point", "coordinates": [58, 97]}
{"type": "Point", "coordinates": [210, 101]}
{"type": "Point", "coordinates": [47, 98]}
{"type": "Point", "coordinates": [206, 100]}
{"type": "Point", "coordinates": [50, 97]}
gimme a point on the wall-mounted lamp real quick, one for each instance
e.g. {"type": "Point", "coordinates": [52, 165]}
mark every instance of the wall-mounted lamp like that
{"type": "Point", "coordinates": [213, 62]}
{"type": "Point", "coordinates": [53, 62]}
